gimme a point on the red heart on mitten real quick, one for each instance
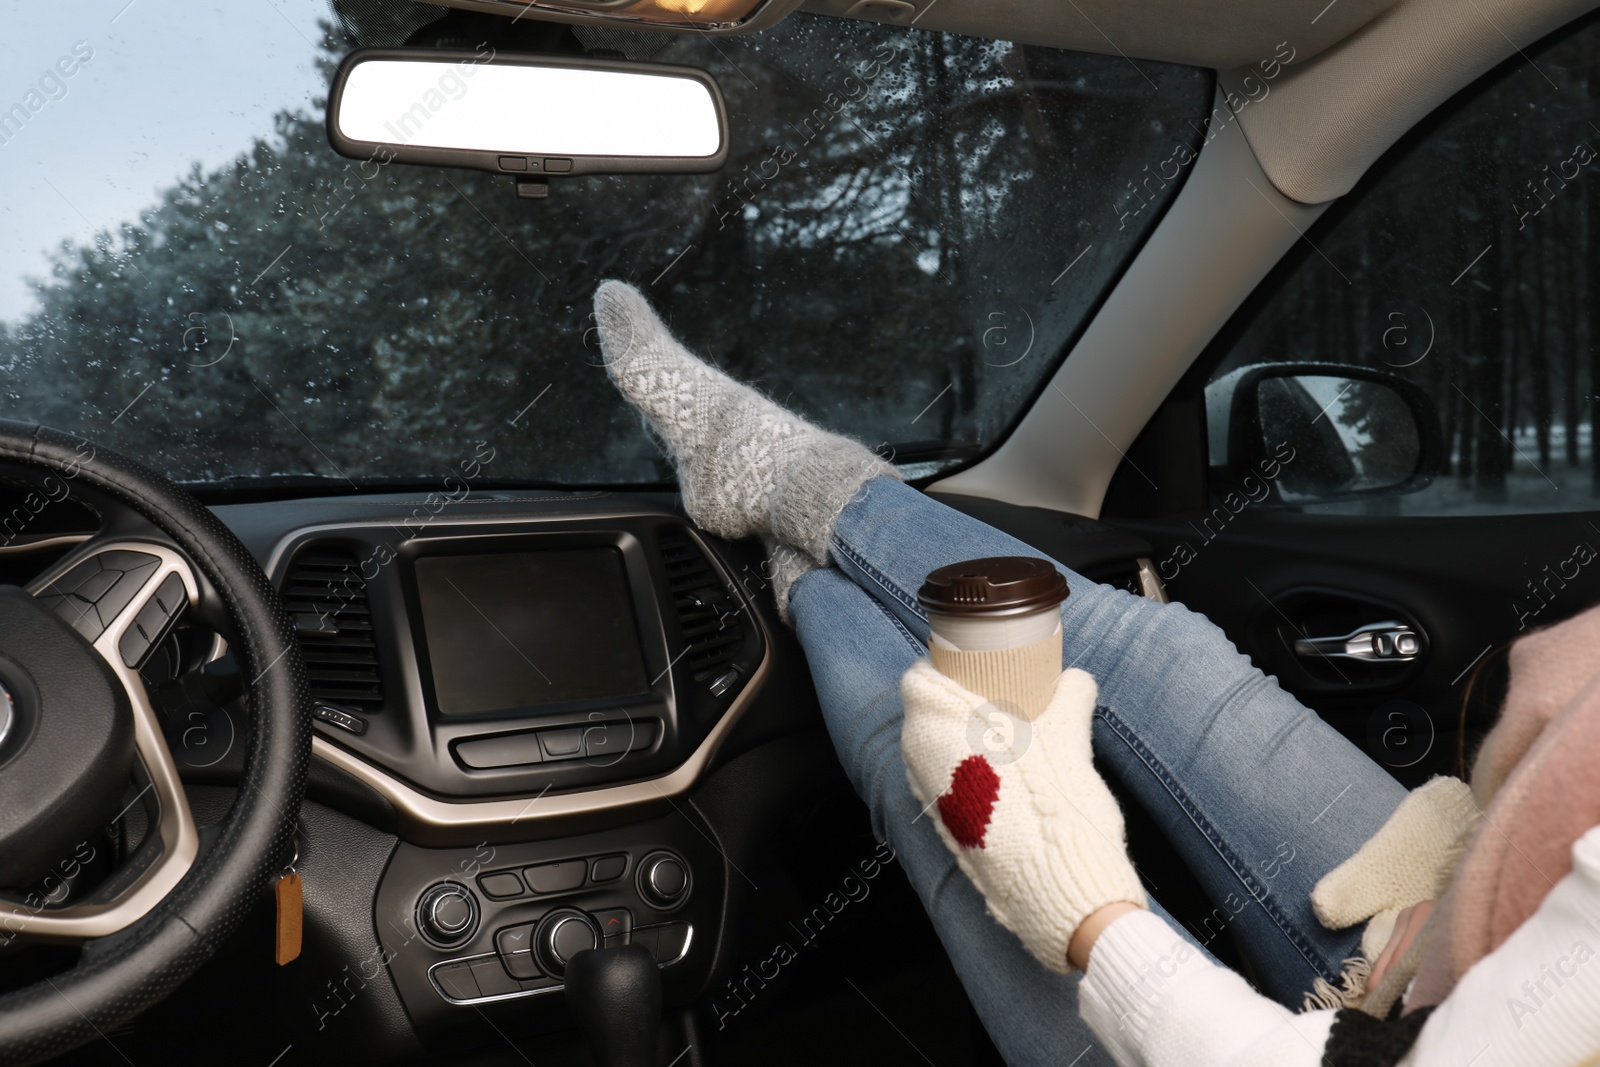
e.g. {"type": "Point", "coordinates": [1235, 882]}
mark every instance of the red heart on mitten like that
{"type": "Point", "coordinates": [966, 808]}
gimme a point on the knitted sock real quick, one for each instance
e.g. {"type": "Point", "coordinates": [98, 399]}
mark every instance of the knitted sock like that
{"type": "Point", "coordinates": [1031, 823]}
{"type": "Point", "coordinates": [745, 465]}
{"type": "Point", "coordinates": [785, 564]}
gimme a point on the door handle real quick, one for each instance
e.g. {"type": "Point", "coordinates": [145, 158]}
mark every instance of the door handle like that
{"type": "Point", "coordinates": [1376, 642]}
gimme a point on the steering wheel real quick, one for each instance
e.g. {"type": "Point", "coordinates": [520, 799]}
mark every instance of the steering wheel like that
{"type": "Point", "coordinates": [76, 725]}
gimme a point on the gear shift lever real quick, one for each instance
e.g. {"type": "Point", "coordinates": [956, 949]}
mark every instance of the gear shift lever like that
{"type": "Point", "coordinates": [615, 996]}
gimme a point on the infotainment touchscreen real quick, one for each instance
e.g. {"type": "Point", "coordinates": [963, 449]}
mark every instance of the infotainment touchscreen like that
{"type": "Point", "coordinates": [530, 628]}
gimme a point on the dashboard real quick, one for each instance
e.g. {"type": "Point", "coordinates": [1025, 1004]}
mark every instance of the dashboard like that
{"type": "Point", "coordinates": [544, 721]}
{"type": "Point", "coordinates": [531, 683]}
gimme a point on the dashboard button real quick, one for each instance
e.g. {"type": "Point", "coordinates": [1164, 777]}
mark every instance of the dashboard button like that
{"type": "Point", "coordinates": [514, 939]}
{"type": "Point", "coordinates": [563, 934]}
{"type": "Point", "coordinates": [501, 885]}
{"type": "Point", "coordinates": [672, 940]}
{"type": "Point", "coordinates": [607, 739]}
{"type": "Point", "coordinates": [723, 682]}
{"type": "Point", "coordinates": [492, 979]}
{"type": "Point", "coordinates": [447, 913]}
{"type": "Point", "coordinates": [615, 925]}
{"type": "Point", "coordinates": [339, 717]}
{"type": "Point", "coordinates": [644, 735]}
{"type": "Point", "coordinates": [646, 936]}
{"type": "Point", "coordinates": [663, 880]}
{"type": "Point", "coordinates": [521, 965]}
{"type": "Point", "coordinates": [607, 868]}
{"type": "Point", "coordinates": [555, 877]}
{"type": "Point", "coordinates": [507, 750]}
{"type": "Point", "coordinates": [562, 744]}
{"type": "Point", "coordinates": [456, 980]}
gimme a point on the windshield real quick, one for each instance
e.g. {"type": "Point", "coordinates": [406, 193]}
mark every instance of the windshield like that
{"type": "Point", "coordinates": [910, 229]}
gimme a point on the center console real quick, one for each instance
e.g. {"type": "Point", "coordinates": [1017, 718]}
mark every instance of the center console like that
{"type": "Point", "coordinates": [480, 927]}
{"type": "Point", "coordinates": [531, 695]}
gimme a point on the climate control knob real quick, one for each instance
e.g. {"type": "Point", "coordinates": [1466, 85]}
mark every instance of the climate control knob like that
{"type": "Point", "coordinates": [663, 880]}
{"type": "Point", "coordinates": [563, 934]}
{"type": "Point", "coordinates": [447, 913]}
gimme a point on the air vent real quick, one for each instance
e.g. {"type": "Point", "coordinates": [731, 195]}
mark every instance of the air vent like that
{"type": "Point", "coordinates": [327, 602]}
{"type": "Point", "coordinates": [708, 616]}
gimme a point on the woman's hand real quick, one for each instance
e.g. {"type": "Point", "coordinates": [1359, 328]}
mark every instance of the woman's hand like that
{"type": "Point", "coordinates": [1029, 820]}
{"type": "Point", "coordinates": [1406, 925]}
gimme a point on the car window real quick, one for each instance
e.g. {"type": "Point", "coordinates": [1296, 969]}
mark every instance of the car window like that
{"type": "Point", "coordinates": [910, 228]}
{"type": "Point", "coordinates": [1466, 264]}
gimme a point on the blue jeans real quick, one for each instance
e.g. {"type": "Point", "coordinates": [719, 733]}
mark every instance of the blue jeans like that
{"type": "Point", "coordinates": [1256, 794]}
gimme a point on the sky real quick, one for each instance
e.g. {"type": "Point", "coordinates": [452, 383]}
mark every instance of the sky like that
{"type": "Point", "coordinates": [169, 83]}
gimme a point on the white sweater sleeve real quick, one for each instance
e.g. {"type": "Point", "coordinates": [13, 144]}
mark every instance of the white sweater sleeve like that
{"type": "Point", "coordinates": [1154, 1000]}
{"type": "Point", "coordinates": [1535, 1000]}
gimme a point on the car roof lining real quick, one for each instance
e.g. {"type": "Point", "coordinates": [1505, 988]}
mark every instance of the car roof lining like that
{"type": "Point", "coordinates": [1219, 34]}
{"type": "Point", "coordinates": [1325, 121]}
{"type": "Point", "coordinates": [1363, 71]}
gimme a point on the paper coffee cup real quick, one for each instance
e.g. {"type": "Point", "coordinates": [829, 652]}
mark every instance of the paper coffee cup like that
{"type": "Point", "coordinates": [996, 629]}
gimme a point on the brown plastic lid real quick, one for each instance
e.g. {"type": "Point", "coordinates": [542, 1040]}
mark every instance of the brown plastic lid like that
{"type": "Point", "coordinates": [999, 585]}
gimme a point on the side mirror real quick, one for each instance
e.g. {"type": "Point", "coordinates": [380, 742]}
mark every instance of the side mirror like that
{"type": "Point", "coordinates": [527, 116]}
{"type": "Point", "coordinates": [1311, 433]}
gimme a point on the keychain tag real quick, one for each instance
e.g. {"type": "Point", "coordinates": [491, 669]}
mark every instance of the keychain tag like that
{"type": "Point", "coordinates": [290, 914]}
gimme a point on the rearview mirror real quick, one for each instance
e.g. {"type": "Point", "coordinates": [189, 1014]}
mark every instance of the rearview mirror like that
{"type": "Point", "coordinates": [1304, 433]}
{"type": "Point", "coordinates": [526, 115]}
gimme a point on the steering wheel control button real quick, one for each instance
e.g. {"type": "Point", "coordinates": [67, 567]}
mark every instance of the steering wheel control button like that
{"type": "Point", "coordinates": [91, 594]}
{"type": "Point", "coordinates": [447, 913]}
{"type": "Point", "coordinates": [455, 981]}
{"type": "Point", "coordinates": [663, 881]}
{"type": "Point", "coordinates": [334, 715]}
{"type": "Point", "coordinates": [501, 885]}
{"type": "Point", "coordinates": [607, 868]}
{"type": "Point", "coordinates": [615, 925]}
{"type": "Point", "coordinates": [555, 877]}
{"type": "Point", "coordinates": [149, 628]}
{"type": "Point", "coordinates": [96, 585]}
{"type": "Point", "coordinates": [563, 934]}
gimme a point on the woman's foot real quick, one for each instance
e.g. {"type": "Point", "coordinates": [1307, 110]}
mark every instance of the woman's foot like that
{"type": "Point", "coordinates": [745, 465]}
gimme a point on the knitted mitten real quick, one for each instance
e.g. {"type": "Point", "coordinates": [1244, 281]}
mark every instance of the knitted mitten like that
{"type": "Point", "coordinates": [1410, 859]}
{"type": "Point", "coordinates": [745, 465]}
{"type": "Point", "coordinates": [1031, 824]}
{"type": "Point", "coordinates": [1403, 862]}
